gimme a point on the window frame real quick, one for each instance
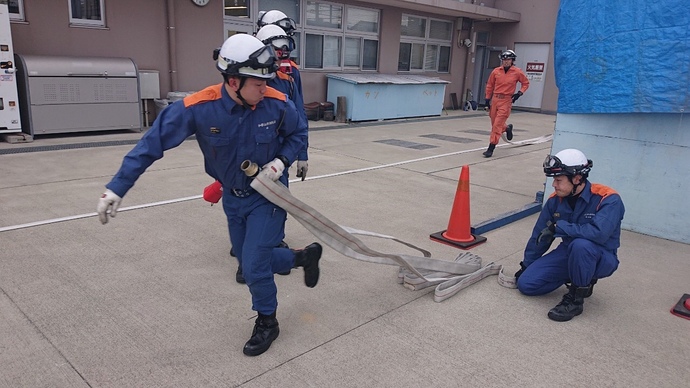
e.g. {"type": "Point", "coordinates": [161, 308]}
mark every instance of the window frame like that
{"type": "Point", "coordinates": [343, 34]}
{"type": "Point", "coordinates": [15, 16]}
{"type": "Point", "coordinates": [428, 44]}
{"type": "Point", "coordinates": [93, 23]}
{"type": "Point", "coordinates": [249, 4]}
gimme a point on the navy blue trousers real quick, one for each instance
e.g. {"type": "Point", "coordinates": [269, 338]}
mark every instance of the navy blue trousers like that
{"type": "Point", "coordinates": [578, 262]}
{"type": "Point", "coordinates": [256, 228]}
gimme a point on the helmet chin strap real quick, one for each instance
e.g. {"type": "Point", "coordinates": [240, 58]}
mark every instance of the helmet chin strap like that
{"type": "Point", "coordinates": [239, 95]}
{"type": "Point", "coordinates": [575, 186]}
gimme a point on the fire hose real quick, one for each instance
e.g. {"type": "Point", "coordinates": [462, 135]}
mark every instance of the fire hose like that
{"type": "Point", "coordinates": [415, 272]}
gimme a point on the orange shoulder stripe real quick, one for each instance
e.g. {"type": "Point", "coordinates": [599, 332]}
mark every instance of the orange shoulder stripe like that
{"type": "Point", "coordinates": [294, 64]}
{"type": "Point", "coordinates": [603, 191]}
{"type": "Point", "coordinates": [282, 75]}
{"type": "Point", "coordinates": [209, 94]}
{"type": "Point", "coordinates": [273, 93]}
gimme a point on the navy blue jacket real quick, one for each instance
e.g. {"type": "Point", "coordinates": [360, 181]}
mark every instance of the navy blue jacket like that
{"type": "Point", "coordinates": [596, 217]}
{"type": "Point", "coordinates": [227, 133]}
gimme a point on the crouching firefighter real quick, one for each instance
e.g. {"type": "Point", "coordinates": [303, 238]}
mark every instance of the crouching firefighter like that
{"type": "Point", "coordinates": [587, 217]}
{"type": "Point", "coordinates": [241, 118]}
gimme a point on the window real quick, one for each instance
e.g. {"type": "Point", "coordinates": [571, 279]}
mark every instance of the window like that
{"type": "Point", "coordinates": [289, 7]}
{"type": "Point", "coordinates": [15, 9]}
{"type": "Point", "coordinates": [237, 8]}
{"type": "Point", "coordinates": [424, 44]}
{"type": "Point", "coordinates": [340, 36]}
{"type": "Point", "coordinates": [87, 13]}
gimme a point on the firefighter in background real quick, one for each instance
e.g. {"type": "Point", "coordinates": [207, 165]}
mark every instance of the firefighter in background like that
{"type": "Point", "coordinates": [500, 96]}
{"type": "Point", "coordinates": [240, 119]}
{"type": "Point", "coordinates": [284, 44]}
{"type": "Point", "coordinates": [587, 217]}
{"type": "Point", "coordinates": [288, 79]}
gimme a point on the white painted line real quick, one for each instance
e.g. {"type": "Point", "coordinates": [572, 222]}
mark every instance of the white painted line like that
{"type": "Point", "coordinates": [152, 204]}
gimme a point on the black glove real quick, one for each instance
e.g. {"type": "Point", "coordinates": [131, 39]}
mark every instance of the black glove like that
{"type": "Point", "coordinates": [488, 104]}
{"type": "Point", "coordinates": [516, 96]}
{"type": "Point", "coordinates": [520, 271]}
{"type": "Point", "coordinates": [546, 234]}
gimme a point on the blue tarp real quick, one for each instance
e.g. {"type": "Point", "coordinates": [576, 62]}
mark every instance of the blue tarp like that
{"type": "Point", "coordinates": [622, 56]}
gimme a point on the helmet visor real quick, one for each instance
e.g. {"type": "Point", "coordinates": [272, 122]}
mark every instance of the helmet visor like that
{"type": "Point", "coordinates": [287, 24]}
{"type": "Point", "coordinates": [284, 43]}
{"type": "Point", "coordinates": [553, 166]}
{"type": "Point", "coordinates": [261, 64]}
{"type": "Point", "coordinates": [262, 58]}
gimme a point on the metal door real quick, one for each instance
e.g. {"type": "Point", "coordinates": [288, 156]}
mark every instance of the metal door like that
{"type": "Point", "coordinates": [533, 59]}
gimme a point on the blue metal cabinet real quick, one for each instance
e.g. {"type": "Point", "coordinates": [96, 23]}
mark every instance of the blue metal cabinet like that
{"type": "Point", "coordinates": [381, 96]}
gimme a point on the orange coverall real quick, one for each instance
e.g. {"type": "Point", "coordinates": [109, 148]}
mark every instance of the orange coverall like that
{"type": "Point", "coordinates": [500, 89]}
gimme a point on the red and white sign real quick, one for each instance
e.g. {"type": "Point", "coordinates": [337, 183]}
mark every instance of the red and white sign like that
{"type": "Point", "coordinates": [534, 67]}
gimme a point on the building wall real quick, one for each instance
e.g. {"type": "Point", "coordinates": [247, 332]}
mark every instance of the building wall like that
{"type": "Point", "coordinates": [537, 25]}
{"type": "Point", "coordinates": [139, 30]}
{"type": "Point", "coordinates": [315, 82]}
{"type": "Point", "coordinates": [641, 156]}
{"type": "Point", "coordinates": [140, 35]}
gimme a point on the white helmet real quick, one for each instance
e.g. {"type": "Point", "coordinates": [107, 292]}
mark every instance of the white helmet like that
{"type": "Point", "coordinates": [278, 18]}
{"type": "Point", "coordinates": [245, 56]}
{"type": "Point", "coordinates": [273, 35]}
{"type": "Point", "coordinates": [568, 162]}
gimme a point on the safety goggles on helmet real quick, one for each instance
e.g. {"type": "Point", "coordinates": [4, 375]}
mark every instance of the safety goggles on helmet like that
{"type": "Point", "coordinates": [283, 43]}
{"type": "Point", "coordinates": [554, 167]}
{"type": "Point", "coordinates": [261, 64]}
{"type": "Point", "coordinates": [287, 24]}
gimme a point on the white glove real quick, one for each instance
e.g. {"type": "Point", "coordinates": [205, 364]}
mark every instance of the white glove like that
{"type": "Point", "coordinates": [109, 201]}
{"type": "Point", "coordinates": [273, 169]}
{"type": "Point", "coordinates": [302, 168]}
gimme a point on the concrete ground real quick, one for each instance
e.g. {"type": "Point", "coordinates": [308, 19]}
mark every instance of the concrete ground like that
{"type": "Point", "coordinates": [149, 300]}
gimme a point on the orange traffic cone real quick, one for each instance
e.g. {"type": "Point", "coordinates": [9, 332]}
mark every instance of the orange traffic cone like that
{"type": "Point", "coordinates": [458, 233]}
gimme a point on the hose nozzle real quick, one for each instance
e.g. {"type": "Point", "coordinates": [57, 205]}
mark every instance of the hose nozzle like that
{"type": "Point", "coordinates": [250, 168]}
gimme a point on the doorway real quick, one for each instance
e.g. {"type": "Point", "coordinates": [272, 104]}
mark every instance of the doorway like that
{"type": "Point", "coordinates": [487, 59]}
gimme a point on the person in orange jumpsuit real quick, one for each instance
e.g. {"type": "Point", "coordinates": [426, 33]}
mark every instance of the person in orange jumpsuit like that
{"type": "Point", "coordinates": [500, 96]}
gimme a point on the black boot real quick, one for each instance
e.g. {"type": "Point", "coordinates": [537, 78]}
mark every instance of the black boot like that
{"type": "Point", "coordinates": [239, 276]}
{"type": "Point", "coordinates": [509, 132]}
{"type": "Point", "coordinates": [308, 258]}
{"type": "Point", "coordinates": [283, 244]}
{"type": "Point", "coordinates": [489, 151]}
{"type": "Point", "coordinates": [590, 289]}
{"type": "Point", "coordinates": [266, 330]}
{"type": "Point", "coordinates": [571, 305]}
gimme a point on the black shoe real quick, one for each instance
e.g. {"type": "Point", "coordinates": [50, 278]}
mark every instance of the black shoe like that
{"type": "Point", "coordinates": [308, 258]}
{"type": "Point", "coordinates": [266, 330]}
{"type": "Point", "coordinates": [570, 306]}
{"type": "Point", "coordinates": [509, 132]}
{"type": "Point", "coordinates": [239, 276]}
{"type": "Point", "coordinates": [489, 151]}
{"type": "Point", "coordinates": [590, 289]}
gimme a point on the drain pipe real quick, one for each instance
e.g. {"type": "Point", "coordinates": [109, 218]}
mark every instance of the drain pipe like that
{"type": "Point", "coordinates": [469, 62]}
{"type": "Point", "coordinates": [172, 44]}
